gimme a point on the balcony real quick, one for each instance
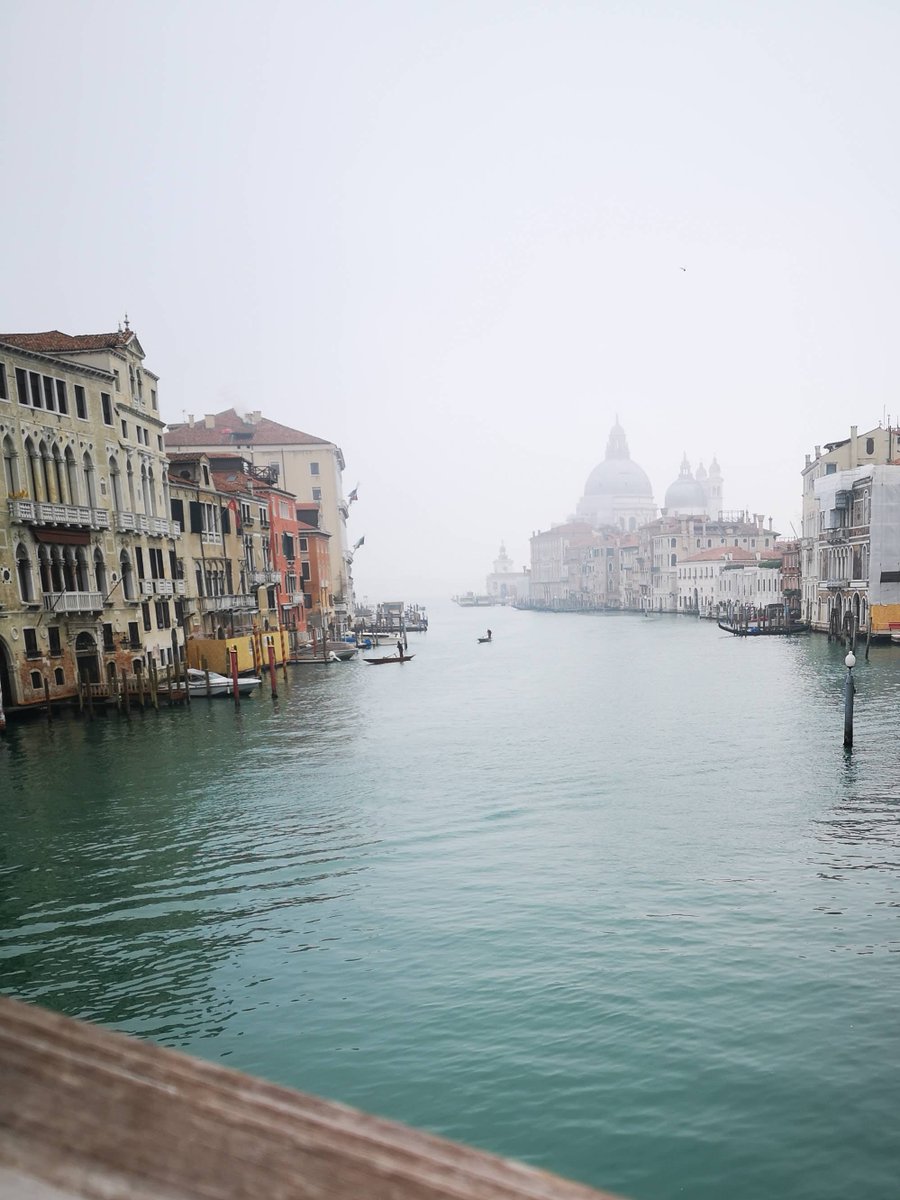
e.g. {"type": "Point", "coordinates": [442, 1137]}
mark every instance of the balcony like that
{"type": "Point", "coordinates": [145, 587]}
{"type": "Point", "coordinates": [164, 587]}
{"type": "Point", "coordinates": [259, 578]}
{"type": "Point", "coordinates": [73, 602]}
{"type": "Point", "coordinates": [210, 537]}
{"type": "Point", "coordinates": [228, 603]}
{"type": "Point", "coordinates": [36, 512]}
{"type": "Point", "coordinates": [835, 537]}
{"type": "Point", "coordinates": [129, 522]}
{"type": "Point", "coordinates": [834, 585]}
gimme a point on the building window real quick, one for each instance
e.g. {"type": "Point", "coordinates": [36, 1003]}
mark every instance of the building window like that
{"type": "Point", "coordinates": [31, 646]}
{"type": "Point", "coordinates": [62, 399]}
{"type": "Point", "coordinates": [134, 635]}
{"type": "Point", "coordinates": [59, 676]}
{"type": "Point", "coordinates": [106, 404]}
{"type": "Point", "coordinates": [830, 468]}
{"type": "Point", "coordinates": [304, 545]}
{"type": "Point", "coordinates": [55, 646]}
{"type": "Point", "coordinates": [870, 445]}
{"type": "Point", "coordinates": [4, 386]}
{"type": "Point", "coordinates": [49, 394]}
{"type": "Point", "coordinates": [317, 493]}
{"type": "Point", "coordinates": [37, 681]}
{"type": "Point", "coordinates": [80, 402]}
{"type": "Point", "coordinates": [35, 381]}
{"type": "Point", "coordinates": [313, 468]}
{"type": "Point", "coordinates": [145, 616]}
{"type": "Point", "coordinates": [22, 385]}
{"type": "Point", "coordinates": [153, 397]}
{"type": "Point", "coordinates": [108, 644]}
{"type": "Point", "coordinates": [125, 430]}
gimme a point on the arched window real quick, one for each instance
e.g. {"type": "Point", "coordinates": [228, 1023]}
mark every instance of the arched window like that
{"type": "Point", "coordinates": [82, 579]}
{"type": "Point", "coordinates": [674, 560]}
{"type": "Point", "coordinates": [130, 477]}
{"type": "Point", "coordinates": [71, 476]}
{"type": "Point", "coordinates": [44, 569]}
{"type": "Point", "coordinates": [145, 488]}
{"type": "Point", "coordinates": [127, 575]}
{"type": "Point", "coordinates": [90, 484]}
{"type": "Point", "coordinates": [115, 483]}
{"type": "Point", "coordinates": [44, 455]}
{"type": "Point", "coordinates": [26, 579]}
{"type": "Point", "coordinates": [60, 676]}
{"type": "Point", "coordinates": [59, 475]}
{"type": "Point", "coordinates": [10, 470]}
{"type": "Point", "coordinates": [69, 571]}
{"type": "Point", "coordinates": [33, 469]}
{"type": "Point", "coordinates": [100, 572]}
{"type": "Point", "coordinates": [57, 573]}
{"type": "Point", "coordinates": [151, 482]}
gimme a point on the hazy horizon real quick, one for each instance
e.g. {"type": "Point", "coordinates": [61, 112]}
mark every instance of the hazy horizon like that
{"type": "Point", "coordinates": [460, 239]}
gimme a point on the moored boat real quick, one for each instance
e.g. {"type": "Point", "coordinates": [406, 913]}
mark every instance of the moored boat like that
{"type": "Point", "coordinates": [219, 685]}
{"type": "Point", "coordinates": [758, 629]}
{"type": "Point", "coordinates": [394, 658]}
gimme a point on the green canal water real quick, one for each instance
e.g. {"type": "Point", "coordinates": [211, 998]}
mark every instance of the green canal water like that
{"type": "Point", "coordinates": [606, 895]}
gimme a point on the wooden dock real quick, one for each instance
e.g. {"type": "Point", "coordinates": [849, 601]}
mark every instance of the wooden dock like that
{"type": "Point", "coordinates": [92, 1114]}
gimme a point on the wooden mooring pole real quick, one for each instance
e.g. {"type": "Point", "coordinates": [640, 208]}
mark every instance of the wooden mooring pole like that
{"type": "Point", "coordinates": [233, 656]}
{"type": "Point", "coordinates": [849, 690]}
{"type": "Point", "coordinates": [271, 649]}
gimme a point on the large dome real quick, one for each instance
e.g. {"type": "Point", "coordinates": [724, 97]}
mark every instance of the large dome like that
{"type": "Point", "coordinates": [617, 491]}
{"type": "Point", "coordinates": [618, 477]}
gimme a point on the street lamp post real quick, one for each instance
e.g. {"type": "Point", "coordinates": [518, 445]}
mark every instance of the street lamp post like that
{"type": "Point", "coordinates": [849, 689]}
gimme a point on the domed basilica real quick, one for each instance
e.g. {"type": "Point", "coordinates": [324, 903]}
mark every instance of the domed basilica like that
{"type": "Point", "coordinates": [617, 492]}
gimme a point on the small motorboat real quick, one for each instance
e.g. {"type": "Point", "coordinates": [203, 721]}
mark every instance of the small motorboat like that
{"type": "Point", "coordinates": [394, 658]}
{"type": "Point", "coordinates": [219, 685]}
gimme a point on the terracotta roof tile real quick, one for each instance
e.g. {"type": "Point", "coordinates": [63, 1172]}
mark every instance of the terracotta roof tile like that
{"type": "Point", "coordinates": [54, 341]}
{"type": "Point", "coordinates": [229, 429]}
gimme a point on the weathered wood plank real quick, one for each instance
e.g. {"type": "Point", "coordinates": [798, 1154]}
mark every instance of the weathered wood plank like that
{"type": "Point", "coordinates": [99, 1115]}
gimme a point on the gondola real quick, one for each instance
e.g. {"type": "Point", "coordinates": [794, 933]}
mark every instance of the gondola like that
{"type": "Point", "coordinates": [485, 639]}
{"type": "Point", "coordinates": [379, 662]}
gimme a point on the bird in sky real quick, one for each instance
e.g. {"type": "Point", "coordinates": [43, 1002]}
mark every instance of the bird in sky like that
{"type": "Point", "coordinates": [682, 268]}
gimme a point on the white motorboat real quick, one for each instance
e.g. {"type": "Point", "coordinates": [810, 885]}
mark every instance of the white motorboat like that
{"type": "Point", "coordinates": [219, 685]}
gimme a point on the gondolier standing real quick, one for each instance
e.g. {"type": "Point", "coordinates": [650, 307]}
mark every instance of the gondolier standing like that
{"type": "Point", "coordinates": [400, 648]}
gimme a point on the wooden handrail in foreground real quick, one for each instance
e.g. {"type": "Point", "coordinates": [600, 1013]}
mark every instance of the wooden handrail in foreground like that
{"type": "Point", "coordinates": [89, 1113]}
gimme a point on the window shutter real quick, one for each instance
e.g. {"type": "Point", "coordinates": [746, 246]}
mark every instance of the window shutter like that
{"type": "Point", "coordinates": [196, 517]}
{"type": "Point", "coordinates": [177, 507]}
{"type": "Point", "coordinates": [226, 520]}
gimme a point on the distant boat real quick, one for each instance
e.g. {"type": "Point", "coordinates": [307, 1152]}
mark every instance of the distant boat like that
{"type": "Point", "coordinates": [394, 658]}
{"type": "Point", "coordinates": [485, 639]}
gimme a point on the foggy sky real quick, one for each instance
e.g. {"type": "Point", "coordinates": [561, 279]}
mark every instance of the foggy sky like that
{"type": "Point", "coordinates": [448, 236]}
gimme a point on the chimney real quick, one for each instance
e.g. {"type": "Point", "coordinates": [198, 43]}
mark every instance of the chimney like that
{"type": "Point", "coordinates": [209, 421]}
{"type": "Point", "coordinates": [807, 460]}
{"type": "Point", "coordinates": [854, 461]}
{"type": "Point", "coordinates": [190, 420]}
{"type": "Point", "coordinates": [254, 418]}
{"type": "Point", "coordinates": [818, 451]}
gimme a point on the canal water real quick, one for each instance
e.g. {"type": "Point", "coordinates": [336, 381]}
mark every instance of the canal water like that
{"type": "Point", "coordinates": [605, 895]}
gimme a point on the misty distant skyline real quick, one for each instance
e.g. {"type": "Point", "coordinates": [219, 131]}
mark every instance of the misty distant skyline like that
{"type": "Point", "coordinates": [450, 238]}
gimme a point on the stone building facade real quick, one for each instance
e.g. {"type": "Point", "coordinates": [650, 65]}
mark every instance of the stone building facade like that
{"type": "Point", "coordinates": [88, 584]}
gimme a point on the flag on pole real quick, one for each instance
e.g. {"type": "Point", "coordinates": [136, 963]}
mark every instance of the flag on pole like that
{"type": "Point", "coordinates": [353, 495]}
{"type": "Point", "coordinates": [359, 543]}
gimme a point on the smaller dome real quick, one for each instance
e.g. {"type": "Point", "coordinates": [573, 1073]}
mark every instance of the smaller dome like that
{"type": "Point", "coordinates": [685, 494]}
